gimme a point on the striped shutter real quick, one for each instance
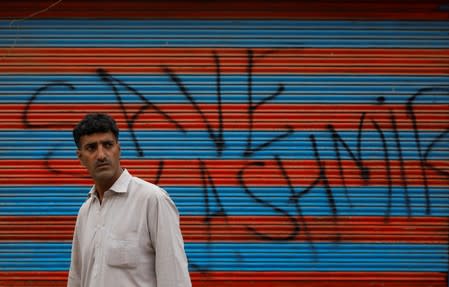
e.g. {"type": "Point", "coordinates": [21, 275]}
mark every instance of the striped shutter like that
{"type": "Point", "coordinates": [305, 143]}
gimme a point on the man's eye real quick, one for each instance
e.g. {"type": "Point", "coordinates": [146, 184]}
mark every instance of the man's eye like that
{"type": "Point", "coordinates": [108, 145]}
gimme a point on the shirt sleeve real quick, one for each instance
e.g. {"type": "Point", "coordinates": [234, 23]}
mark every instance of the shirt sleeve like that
{"type": "Point", "coordinates": [74, 279]}
{"type": "Point", "coordinates": [171, 264]}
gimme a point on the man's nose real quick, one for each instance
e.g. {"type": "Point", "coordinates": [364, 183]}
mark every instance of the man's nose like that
{"type": "Point", "coordinates": [101, 155]}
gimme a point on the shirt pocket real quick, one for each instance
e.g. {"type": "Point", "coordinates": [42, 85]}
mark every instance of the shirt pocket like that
{"type": "Point", "coordinates": [122, 253]}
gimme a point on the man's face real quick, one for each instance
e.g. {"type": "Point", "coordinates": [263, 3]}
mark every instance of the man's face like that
{"type": "Point", "coordinates": [100, 154]}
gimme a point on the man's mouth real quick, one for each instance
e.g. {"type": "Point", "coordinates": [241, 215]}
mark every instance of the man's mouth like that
{"type": "Point", "coordinates": [100, 165]}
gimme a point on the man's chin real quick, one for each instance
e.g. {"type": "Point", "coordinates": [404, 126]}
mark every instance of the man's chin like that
{"type": "Point", "coordinates": [103, 174]}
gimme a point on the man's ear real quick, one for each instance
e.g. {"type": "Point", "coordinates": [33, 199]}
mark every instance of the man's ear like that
{"type": "Point", "coordinates": [119, 147]}
{"type": "Point", "coordinates": [78, 154]}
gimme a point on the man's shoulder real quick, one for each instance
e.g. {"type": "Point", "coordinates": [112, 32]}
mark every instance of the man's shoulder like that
{"type": "Point", "coordinates": [83, 210]}
{"type": "Point", "coordinates": [146, 189]}
{"type": "Point", "coordinates": [152, 194]}
{"type": "Point", "coordinates": [85, 204]}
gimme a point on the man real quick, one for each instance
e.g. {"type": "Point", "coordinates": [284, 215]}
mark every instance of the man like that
{"type": "Point", "coordinates": [127, 232]}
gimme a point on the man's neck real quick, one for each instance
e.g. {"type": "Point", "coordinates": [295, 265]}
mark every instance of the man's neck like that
{"type": "Point", "coordinates": [102, 186]}
{"type": "Point", "coordinates": [100, 192]}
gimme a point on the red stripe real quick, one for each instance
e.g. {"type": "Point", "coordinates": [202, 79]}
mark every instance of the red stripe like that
{"type": "Point", "coordinates": [432, 230]}
{"type": "Point", "coordinates": [231, 9]}
{"type": "Point", "coordinates": [235, 116]}
{"type": "Point", "coordinates": [232, 60]}
{"type": "Point", "coordinates": [261, 279]}
{"type": "Point", "coordinates": [225, 172]}
{"type": "Point", "coordinates": [235, 53]}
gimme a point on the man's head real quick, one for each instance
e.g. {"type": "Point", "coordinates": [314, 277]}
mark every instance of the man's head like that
{"type": "Point", "coordinates": [95, 123]}
{"type": "Point", "coordinates": [96, 137]}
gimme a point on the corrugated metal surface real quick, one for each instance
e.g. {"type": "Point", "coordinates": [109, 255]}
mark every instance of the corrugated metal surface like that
{"type": "Point", "coordinates": [305, 143]}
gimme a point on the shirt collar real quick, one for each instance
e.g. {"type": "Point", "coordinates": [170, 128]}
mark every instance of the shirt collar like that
{"type": "Point", "coordinates": [119, 186]}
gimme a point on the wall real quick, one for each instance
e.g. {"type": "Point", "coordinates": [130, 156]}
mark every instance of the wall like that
{"type": "Point", "coordinates": [305, 143]}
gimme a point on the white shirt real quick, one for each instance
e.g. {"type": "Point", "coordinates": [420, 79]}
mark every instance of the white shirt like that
{"type": "Point", "coordinates": [132, 238]}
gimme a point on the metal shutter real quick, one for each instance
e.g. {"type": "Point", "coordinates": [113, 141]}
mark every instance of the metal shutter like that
{"type": "Point", "coordinates": [305, 143]}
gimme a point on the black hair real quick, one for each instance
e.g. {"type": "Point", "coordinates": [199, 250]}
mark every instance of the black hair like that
{"type": "Point", "coordinates": [94, 123]}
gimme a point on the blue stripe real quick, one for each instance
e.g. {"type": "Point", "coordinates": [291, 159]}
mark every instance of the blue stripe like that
{"type": "Point", "coordinates": [160, 89]}
{"type": "Point", "coordinates": [434, 97]}
{"type": "Point", "coordinates": [227, 43]}
{"type": "Point", "coordinates": [257, 257]}
{"type": "Point", "coordinates": [238, 91]}
{"type": "Point", "coordinates": [150, 31]}
{"type": "Point", "coordinates": [361, 201]}
{"type": "Point", "coordinates": [235, 24]}
{"type": "Point", "coordinates": [129, 33]}
{"type": "Point", "coordinates": [37, 81]}
{"type": "Point", "coordinates": [168, 140]}
{"type": "Point", "coordinates": [157, 33]}
{"type": "Point", "coordinates": [39, 144]}
{"type": "Point", "coordinates": [200, 89]}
